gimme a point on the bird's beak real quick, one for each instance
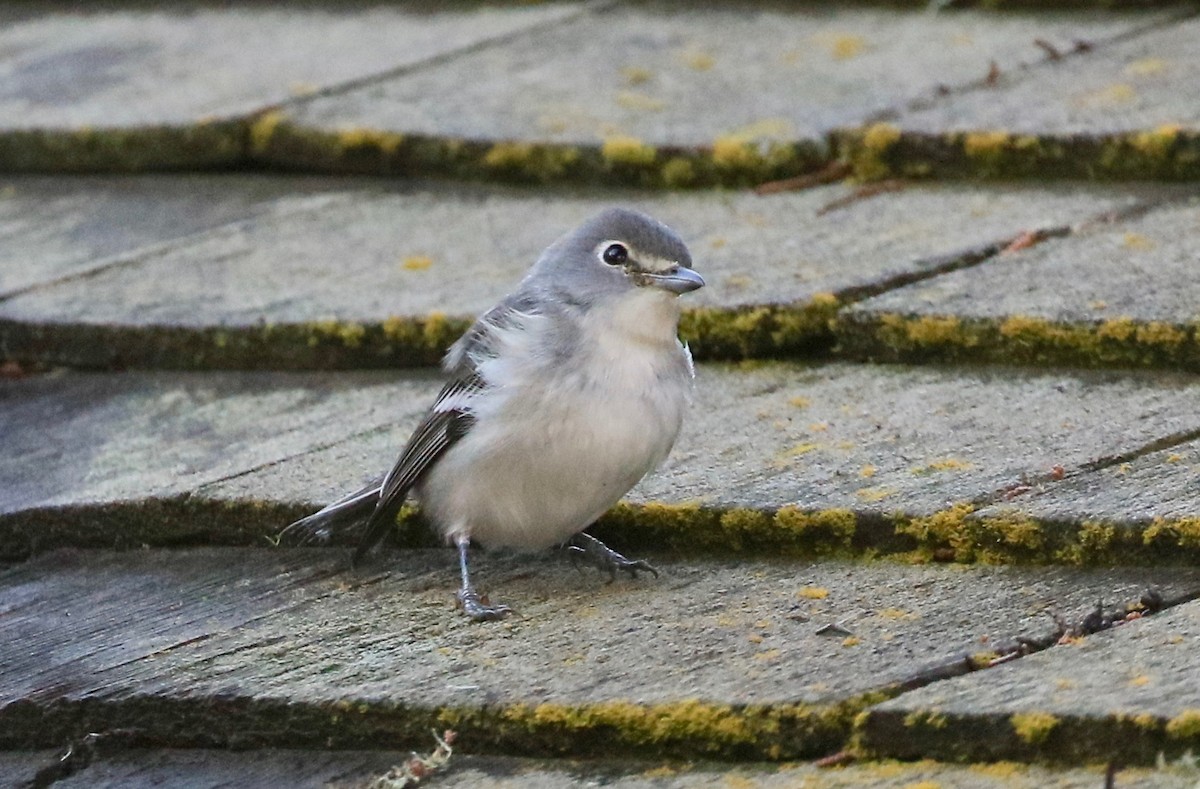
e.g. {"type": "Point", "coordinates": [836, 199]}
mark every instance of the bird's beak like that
{"type": "Point", "coordinates": [680, 280]}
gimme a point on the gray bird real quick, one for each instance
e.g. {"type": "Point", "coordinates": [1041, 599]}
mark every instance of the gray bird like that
{"type": "Point", "coordinates": [560, 398]}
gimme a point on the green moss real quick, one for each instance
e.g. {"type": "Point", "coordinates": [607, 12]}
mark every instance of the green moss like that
{"type": "Point", "coordinates": [348, 333]}
{"type": "Point", "coordinates": [1168, 152]}
{"type": "Point", "coordinates": [940, 530]}
{"type": "Point", "coordinates": [1002, 539]}
{"type": "Point", "coordinates": [678, 172]}
{"type": "Point", "coordinates": [929, 719]}
{"type": "Point", "coordinates": [768, 331]}
{"type": "Point", "coordinates": [623, 150]}
{"type": "Point", "coordinates": [739, 525]}
{"type": "Point", "coordinates": [689, 728]}
{"type": "Point", "coordinates": [987, 150]}
{"type": "Point", "coordinates": [1033, 728]}
{"type": "Point", "coordinates": [204, 145]}
{"type": "Point", "coordinates": [530, 162]}
{"type": "Point", "coordinates": [1020, 340]}
{"type": "Point", "coordinates": [869, 151]}
{"type": "Point", "coordinates": [1095, 543]}
{"type": "Point", "coordinates": [262, 130]}
{"type": "Point", "coordinates": [386, 143]}
{"type": "Point", "coordinates": [1171, 533]}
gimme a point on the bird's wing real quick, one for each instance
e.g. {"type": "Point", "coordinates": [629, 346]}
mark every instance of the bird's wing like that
{"type": "Point", "coordinates": [447, 421]}
{"type": "Point", "coordinates": [321, 526]}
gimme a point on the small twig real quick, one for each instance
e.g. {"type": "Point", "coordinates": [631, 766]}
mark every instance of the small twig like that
{"type": "Point", "coordinates": [834, 171]}
{"type": "Point", "coordinates": [839, 759]}
{"type": "Point", "coordinates": [1023, 241]}
{"type": "Point", "coordinates": [1051, 51]}
{"type": "Point", "coordinates": [863, 193]}
{"type": "Point", "coordinates": [993, 75]}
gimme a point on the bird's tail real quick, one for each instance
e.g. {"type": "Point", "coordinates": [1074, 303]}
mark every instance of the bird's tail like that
{"type": "Point", "coordinates": [321, 526]}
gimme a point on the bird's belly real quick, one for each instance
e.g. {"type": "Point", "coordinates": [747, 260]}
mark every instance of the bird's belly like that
{"type": "Point", "coordinates": [534, 473]}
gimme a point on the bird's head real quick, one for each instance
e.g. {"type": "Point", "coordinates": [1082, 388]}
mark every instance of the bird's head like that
{"type": "Point", "coordinates": [616, 252]}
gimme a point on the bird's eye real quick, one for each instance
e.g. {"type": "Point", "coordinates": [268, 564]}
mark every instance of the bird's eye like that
{"type": "Point", "coordinates": [615, 254]}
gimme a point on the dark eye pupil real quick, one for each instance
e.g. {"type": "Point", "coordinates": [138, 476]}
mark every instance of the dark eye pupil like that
{"type": "Point", "coordinates": [615, 255]}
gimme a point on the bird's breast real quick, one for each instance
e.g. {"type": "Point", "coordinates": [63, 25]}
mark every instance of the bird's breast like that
{"type": "Point", "coordinates": [554, 448]}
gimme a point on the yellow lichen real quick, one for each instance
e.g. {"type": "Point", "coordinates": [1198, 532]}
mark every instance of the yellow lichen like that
{"type": "Point", "coordinates": [1146, 67]}
{"type": "Point", "coordinates": [508, 154]}
{"type": "Point", "coordinates": [357, 137]}
{"type": "Point", "coordinates": [933, 330]}
{"type": "Point", "coordinates": [735, 153]}
{"type": "Point", "coordinates": [764, 128]}
{"type": "Point", "coordinates": [1033, 727]}
{"type": "Point", "coordinates": [623, 149]}
{"type": "Point", "coordinates": [1001, 538]}
{"type": "Point", "coordinates": [813, 592]}
{"type": "Point", "coordinates": [1145, 721]}
{"type": "Point", "coordinates": [896, 614]}
{"type": "Point", "coordinates": [981, 660]}
{"type": "Point", "coordinates": [349, 334]}
{"type": "Point", "coordinates": [1132, 240]}
{"type": "Point", "coordinates": [1005, 770]}
{"type": "Point", "coordinates": [1185, 725]}
{"type": "Point", "coordinates": [943, 464]}
{"type": "Point", "coordinates": [1093, 542]}
{"type": "Point", "coordinates": [1182, 532]}
{"type": "Point", "coordinates": [1119, 329]}
{"type": "Point", "coordinates": [873, 495]}
{"type": "Point", "coordinates": [416, 263]}
{"type": "Point", "coordinates": [867, 471]}
{"type": "Point", "coordinates": [1157, 143]}
{"type": "Point", "coordinates": [804, 449]}
{"type": "Point", "coordinates": [985, 144]}
{"type": "Point", "coordinates": [822, 532]}
{"type": "Point", "coordinates": [1118, 93]}
{"type": "Point", "coordinates": [263, 129]}
{"type": "Point", "coordinates": [799, 401]}
{"type": "Point", "coordinates": [738, 525]}
{"type": "Point", "coordinates": [928, 719]}
{"type": "Point", "coordinates": [943, 528]}
{"type": "Point", "coordinates": [632, 100]}
{"type": "Point", "coordinates": [697, 60]}
{"type": "Point", "coordinates": [846, 46]}
{"type": "Point", "coordinates": [868, 160]}
{"type": "Point", "coordinates": [649, 724]}
{"type": "Point", "coordinates": [1025, 327]}
{"type": "Point", "coordinates": [636, 75]}
{"type": "Point", "coordinates": [851, 641]}
{"type": "Point", "coordinates": [1161, 334]}
{"type": "Point", "coordinates": [527, 160]}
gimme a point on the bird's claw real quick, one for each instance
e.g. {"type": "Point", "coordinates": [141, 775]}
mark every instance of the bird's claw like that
{"type": "Point", "coordinates": [479, 611]}
{"type": "Point", "coordinates": [607, 560]}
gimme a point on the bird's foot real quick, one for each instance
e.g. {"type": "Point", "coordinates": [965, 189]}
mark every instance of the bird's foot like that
{"type": "Point", "coordinates": [586, 548]}
{"type": "Point", "coordinates": [479, 611]}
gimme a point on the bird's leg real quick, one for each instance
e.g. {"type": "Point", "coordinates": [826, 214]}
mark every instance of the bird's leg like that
{"type": "Point", "coordinates": [587, 548]}
{"type": "Point", "coordinates": [467, 596]}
